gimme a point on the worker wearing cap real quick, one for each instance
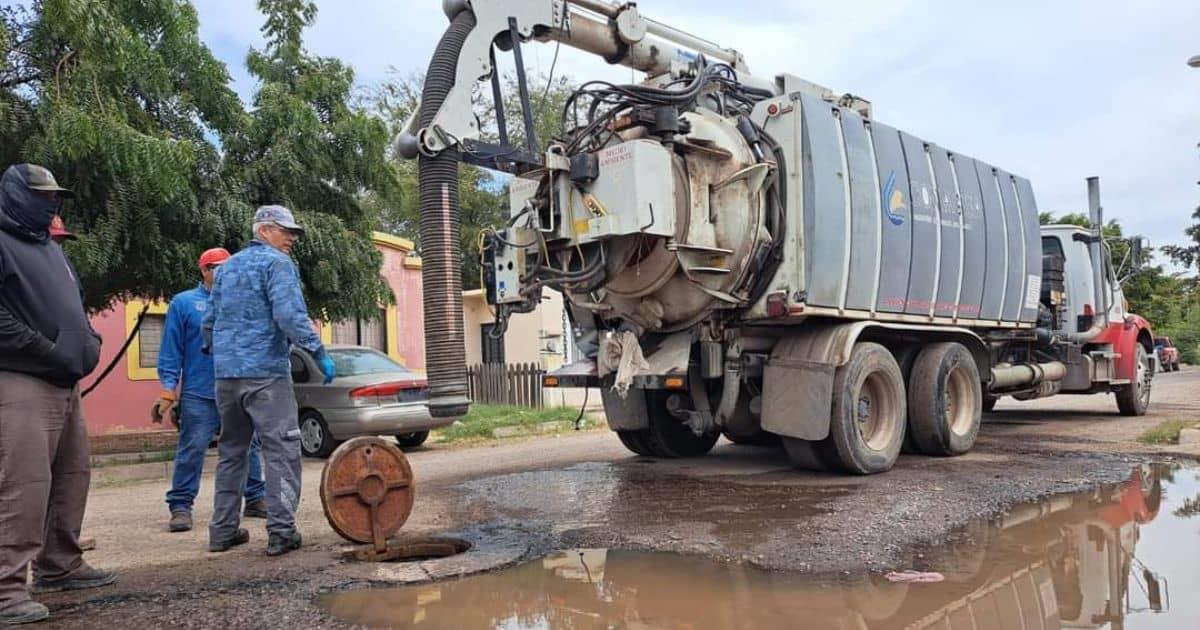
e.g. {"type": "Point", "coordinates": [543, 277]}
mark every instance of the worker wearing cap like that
{"type": "Point", "coordinates": [186, 375]}
{"type": "Point", "coordinates": [256, 313]}
{"type": "Point", "coordinates": [47, 346]}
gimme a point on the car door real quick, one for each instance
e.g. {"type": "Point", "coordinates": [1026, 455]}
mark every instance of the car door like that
{"type": "Point", "coordinates": [302, 379]}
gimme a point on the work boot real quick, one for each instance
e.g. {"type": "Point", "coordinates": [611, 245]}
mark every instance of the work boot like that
{"type": "Point", "coordinates": [279, 544]}
{"type": "Point", "coordinates": [240, 537]}
{"type": "Point", "coordinates": [79, 579]}
{"type": "Point", "coordinates": [27, 611]}
{"type": "Point", "coordinates": [255, 509]}
{"type": "Point", "coordinates": [181, 521]}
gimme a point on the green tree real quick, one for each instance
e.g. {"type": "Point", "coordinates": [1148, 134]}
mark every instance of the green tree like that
{"type": "Point", "coordinates": [1187, 255]}
{"type": "Point", "coordinates": [481, 193]}
{"type": "Point", "coordinates": [305, 147]}
{"type": "Point", "coordinates": [118, 98]}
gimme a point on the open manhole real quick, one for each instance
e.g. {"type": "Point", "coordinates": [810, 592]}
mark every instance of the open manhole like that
{"type": "Point", "coordinates": [410, 550]}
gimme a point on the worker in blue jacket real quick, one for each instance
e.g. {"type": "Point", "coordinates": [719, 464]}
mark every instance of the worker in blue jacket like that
{"type": "Point", "coordinates": [186, 375]}
{"type": "Point", "coordinates": [257, 312]}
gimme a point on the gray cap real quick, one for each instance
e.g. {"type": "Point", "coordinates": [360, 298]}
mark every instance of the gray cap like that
{"type": "Point", "coordinates": [40, 178]}
{"type": "Point", "coordinates": [279, 216]}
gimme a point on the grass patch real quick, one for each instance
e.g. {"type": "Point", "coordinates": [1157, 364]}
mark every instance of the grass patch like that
{"type": "Point", "coordinates": [483, 419]}
{"type": "Point", "coordinates": [1165, 433]}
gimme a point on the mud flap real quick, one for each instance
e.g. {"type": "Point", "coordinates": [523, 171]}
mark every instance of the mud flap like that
{"type": "Point", "coordinates": [797, 397]}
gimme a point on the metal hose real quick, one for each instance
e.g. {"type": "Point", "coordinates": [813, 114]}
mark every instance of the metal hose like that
{"type": "Point", "coordinates": [445, 351]}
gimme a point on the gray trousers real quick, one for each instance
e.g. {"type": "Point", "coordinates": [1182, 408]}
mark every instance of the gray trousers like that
{"type": "Point", "coordinates": [44, 476]}
{"type": "Point", "coordinates": [266, 406]}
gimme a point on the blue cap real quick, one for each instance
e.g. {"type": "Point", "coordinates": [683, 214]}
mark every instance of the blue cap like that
{"type": "Point", "coordinates": [278, 215]}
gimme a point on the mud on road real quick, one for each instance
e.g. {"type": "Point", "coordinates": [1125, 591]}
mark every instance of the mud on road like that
{"type": "Point", "coordinates": [517, 501]}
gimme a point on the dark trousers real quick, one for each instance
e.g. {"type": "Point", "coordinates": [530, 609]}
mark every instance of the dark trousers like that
{"type": "Point", "coordinates": [44, 477]}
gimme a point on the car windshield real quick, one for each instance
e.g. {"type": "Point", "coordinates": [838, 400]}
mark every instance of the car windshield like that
{"type": "Point", "coordinates": [356, 361]}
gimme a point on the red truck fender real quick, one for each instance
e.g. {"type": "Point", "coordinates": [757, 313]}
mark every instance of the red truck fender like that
{"type": "Point", "coordinates": [1123, 335]}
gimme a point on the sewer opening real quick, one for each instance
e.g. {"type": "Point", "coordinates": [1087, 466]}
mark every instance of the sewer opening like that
{"type": "Point", "coordinates": [410, 550]}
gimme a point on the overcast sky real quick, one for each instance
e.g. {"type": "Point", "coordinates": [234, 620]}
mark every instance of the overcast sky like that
{"type": "Point", "coordinates": [1054, 91]}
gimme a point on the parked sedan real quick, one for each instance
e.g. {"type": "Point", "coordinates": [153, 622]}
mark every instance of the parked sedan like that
{"type": "Point", "coordinates": [371, 395]}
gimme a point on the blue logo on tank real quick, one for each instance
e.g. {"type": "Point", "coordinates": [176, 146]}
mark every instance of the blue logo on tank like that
{"type": "Point", "coordinates": [893, 201]}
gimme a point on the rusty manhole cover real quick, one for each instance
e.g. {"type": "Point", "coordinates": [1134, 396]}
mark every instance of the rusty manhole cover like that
{"type": "Point", "coordinates": [367, 491]}
{"type": "Point", "coordinates": [407, 550]}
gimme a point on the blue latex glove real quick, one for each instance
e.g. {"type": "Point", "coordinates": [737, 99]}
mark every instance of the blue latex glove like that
{"type": "Point", "coordinates": [328, 369]}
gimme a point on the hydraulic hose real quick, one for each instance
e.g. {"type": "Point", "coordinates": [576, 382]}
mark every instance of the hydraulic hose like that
{"type": "Point", "coordinates": [440, 229]}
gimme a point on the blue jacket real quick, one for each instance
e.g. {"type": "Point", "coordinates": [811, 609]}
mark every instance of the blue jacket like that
{"type": "Point", "coordinates": [257, 309]}
{"type": "Point", "coordinates": [180, 356]}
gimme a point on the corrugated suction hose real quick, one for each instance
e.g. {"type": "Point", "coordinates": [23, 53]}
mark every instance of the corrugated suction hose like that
{"type": "Point", "coordinates": [445, 351]}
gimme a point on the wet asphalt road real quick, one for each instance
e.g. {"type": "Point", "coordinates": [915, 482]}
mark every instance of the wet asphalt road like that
{"type": "Point", "coordinates": [520, 500]}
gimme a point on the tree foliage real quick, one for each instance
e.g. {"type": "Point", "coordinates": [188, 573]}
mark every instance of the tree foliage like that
{"type": "Point", "coordinates": [483, 203]}
{"type": "Point", "coordinates": [128, 107]}
{"type": "Point", "coordinates": [1188, 255]}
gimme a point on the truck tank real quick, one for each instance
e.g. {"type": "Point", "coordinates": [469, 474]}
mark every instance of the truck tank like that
{"type": "Point", "coordinates": [886, 225]}
{"type": "Point", "coordinates": [876, 224]}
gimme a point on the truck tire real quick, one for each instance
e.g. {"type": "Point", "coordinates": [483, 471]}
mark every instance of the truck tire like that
{"type": "Point", "coordinates": [1134, 399]}
{"type": "Point", "coordinates": [666, 437]}
{"type": "Point", "coordinates": [945, 400]}
{"type": "Point", "coordinates": [761, 438]}
{"type": "Point", "coordinates": [804, 454]}
{"type": "Point", "coordinates": [635, 442]}
{"type": "Point", "coordinates": [867, 422]}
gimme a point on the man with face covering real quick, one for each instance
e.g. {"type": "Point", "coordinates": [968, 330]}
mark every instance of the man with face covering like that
{"type": "Point", "coordinates": [47, 346]}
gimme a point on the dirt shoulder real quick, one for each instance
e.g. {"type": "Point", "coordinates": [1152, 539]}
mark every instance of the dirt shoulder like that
{"type": "Point", "coordinates": [518, 500]}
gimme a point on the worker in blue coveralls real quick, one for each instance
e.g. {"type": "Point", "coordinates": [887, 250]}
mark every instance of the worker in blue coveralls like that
{"type": "Point", "coordinates": [256, 312]}
{"type": "Point", "coordinates": [186, 376]}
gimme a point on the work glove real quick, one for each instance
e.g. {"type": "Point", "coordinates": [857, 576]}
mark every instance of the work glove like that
{"type": "Point", "coordinates": [162, 409]}
{"type": "Point", "coordinates": [328, 369]}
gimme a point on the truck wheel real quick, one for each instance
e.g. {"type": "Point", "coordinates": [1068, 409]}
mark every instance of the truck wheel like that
{"type": "Point", "coordinates": [866, 426]}
{"type": "Point", "coordinates": [1134, 399]}
{"type": "Point", "coordinates": [666, 437]}
{"type": "Point", "coordinates": [761, 438]}
{"type": "Point", "coordinates": [635, 442]}
{"type": "Point", "coordinates": [989, 402]}
{"type": "Point", "coordinates": [945, 403]}
{"type": "Point", "coordinates": [804, 454]}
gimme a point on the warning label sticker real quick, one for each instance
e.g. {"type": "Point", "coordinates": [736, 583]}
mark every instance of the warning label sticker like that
{"type": "Point", "coordinates": [1033, 291]}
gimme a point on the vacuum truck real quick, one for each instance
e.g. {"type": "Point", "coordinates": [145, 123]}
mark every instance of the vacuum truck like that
{"type": "Point", "coordinates": [756, 257]}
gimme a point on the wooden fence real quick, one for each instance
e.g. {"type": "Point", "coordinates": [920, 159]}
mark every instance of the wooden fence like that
{"type": "Point", "coordinates": [519, 384]}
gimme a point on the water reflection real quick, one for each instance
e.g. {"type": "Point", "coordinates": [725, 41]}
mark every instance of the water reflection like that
{"type": "Point", "coordinates": [1062, 562]}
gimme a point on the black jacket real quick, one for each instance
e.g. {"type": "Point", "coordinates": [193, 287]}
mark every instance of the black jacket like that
{"type": "Point", "coordinates": [44, 330]}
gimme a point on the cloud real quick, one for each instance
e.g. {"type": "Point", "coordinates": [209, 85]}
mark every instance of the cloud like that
{"type": "Point", "coordinates": [1053, 91]}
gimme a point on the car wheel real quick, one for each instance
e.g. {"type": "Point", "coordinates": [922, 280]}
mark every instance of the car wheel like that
{"type": "Point", "coordinates": [315, 438]}
{"type": "Point", "coordinates": [412, 440]}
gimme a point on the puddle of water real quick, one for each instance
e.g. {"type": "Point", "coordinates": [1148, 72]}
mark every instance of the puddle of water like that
{"type": "Point", "coordinates": [1122, 556]}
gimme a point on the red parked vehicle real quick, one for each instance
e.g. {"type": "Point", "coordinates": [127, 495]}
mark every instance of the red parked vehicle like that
{"type": "Point", "coordinates": [1168, 354]}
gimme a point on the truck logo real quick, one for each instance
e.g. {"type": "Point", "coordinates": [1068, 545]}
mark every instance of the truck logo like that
{"type": "Point", "coordinates": [893, 201]}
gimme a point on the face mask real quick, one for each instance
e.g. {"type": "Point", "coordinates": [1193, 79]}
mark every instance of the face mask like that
{"type": "Point", "coordinates": [29, 209]}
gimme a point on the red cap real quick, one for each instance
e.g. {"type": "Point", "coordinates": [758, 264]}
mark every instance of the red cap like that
{"type": "Point", "coordinates": [58, 229]}
{"type": "Point", "coordinates": [214, 256]}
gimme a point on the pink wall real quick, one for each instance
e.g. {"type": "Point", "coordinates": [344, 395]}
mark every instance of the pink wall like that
{"type": "Point", "coordinates": [118, 404]}
{"type": "Point", "coordinates": [410, 319]}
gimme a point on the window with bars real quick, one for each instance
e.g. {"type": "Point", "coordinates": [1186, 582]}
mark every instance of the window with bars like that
{"type": "Point", "coordinates": [371, 333]}
{"type": "Point", "coordinates": [149, 339]}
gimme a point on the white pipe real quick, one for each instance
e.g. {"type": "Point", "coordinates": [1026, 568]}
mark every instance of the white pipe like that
{"type": "Point", "coordinates": [1004, 377]}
